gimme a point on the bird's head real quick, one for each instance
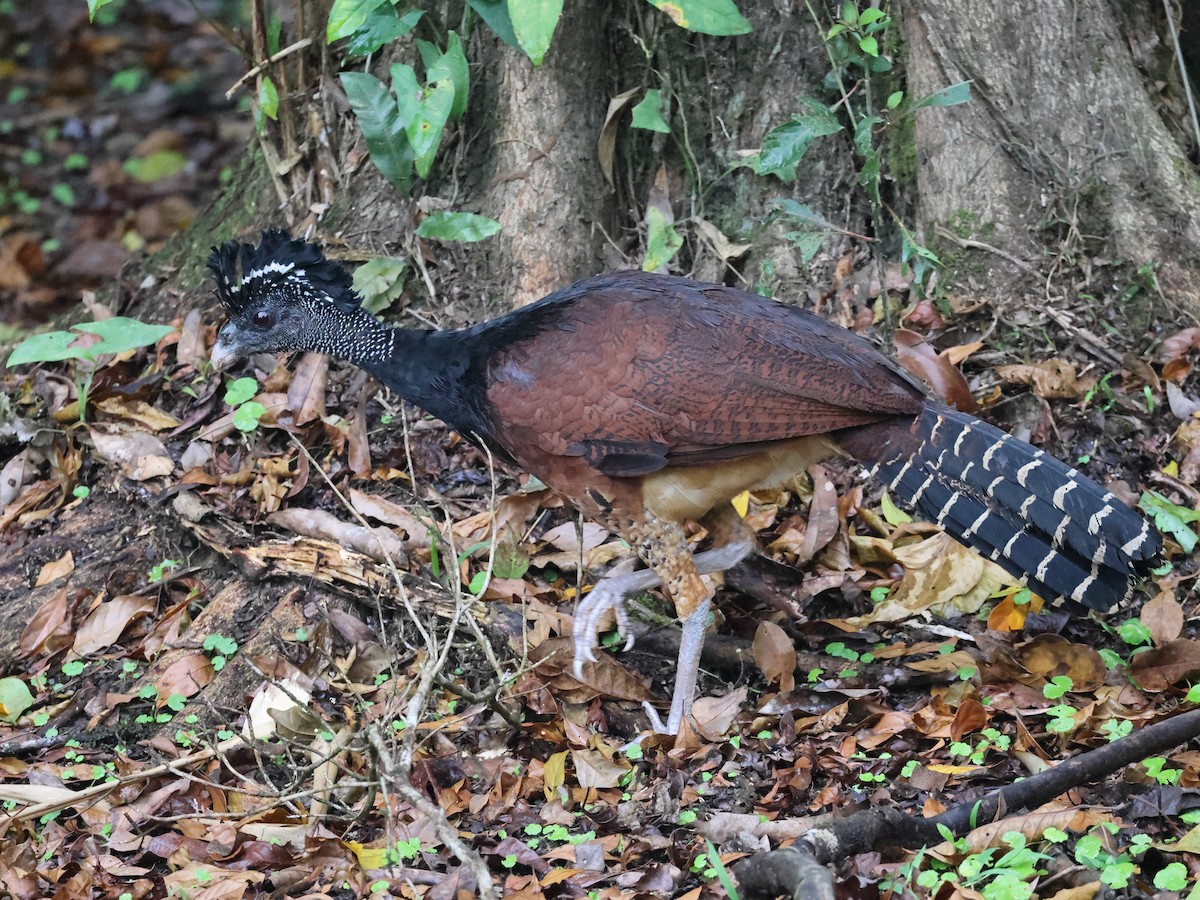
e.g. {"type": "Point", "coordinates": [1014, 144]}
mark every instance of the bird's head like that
{"type": "Point", "coordinates": [282, 295]}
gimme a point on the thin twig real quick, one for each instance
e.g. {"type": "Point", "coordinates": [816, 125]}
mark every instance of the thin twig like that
{"type": "Point", "coordinates": [980, 245]}
{"type": "Point", "coordinates": [257, 70]}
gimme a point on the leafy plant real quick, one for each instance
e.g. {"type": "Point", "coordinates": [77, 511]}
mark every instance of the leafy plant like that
{"type": "Point", "coordinates": [86, 343]}
{"type": "Point", "coordinates": [247, 412]}
{"type": "Point", "coordinates": [854, 44]}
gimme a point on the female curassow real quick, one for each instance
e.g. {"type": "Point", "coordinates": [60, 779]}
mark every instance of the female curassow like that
{"type": "Point", "coordinates": [650, 400]}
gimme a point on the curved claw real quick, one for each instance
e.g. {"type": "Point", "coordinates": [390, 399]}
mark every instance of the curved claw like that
{"type": "Point", "coordinates": [588, 618]}
{"type": "Point", "coordinates": [608, 594]}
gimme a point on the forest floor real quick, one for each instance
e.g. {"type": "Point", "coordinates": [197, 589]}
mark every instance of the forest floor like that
{"type": "Point", "coordinates": [894, 668]}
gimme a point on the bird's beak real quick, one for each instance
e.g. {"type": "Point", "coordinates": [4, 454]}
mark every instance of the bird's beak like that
{"type": "Point", "coordinates": [223, 351]}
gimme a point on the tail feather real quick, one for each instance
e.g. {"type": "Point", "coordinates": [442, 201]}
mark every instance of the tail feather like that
{"type": "Point", "coordinates": [1037, 517]}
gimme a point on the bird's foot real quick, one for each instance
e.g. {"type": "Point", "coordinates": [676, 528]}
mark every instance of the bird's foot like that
{"type": "Point", "coordinates": [609, 594]}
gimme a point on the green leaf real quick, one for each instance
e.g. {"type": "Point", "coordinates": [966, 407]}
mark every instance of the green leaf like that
{"type": "Point", "coordinates": [947, 96]}
{"type": "Point", "coordinates": [157, 166]}
{"type": "Point", "coordinates": [894, 99]}
{"type": "Point", "coordinates": [240, 390]}
{"type": "Point", "coordinates": [348, 16]}
{"type": "Point", "coordinates": [533, 23]}
{"type": "Point", "coordinates": [1171, 519]}
{"type": "Point", "coordinates": [94, 6]}
{"type": "Point", "coordinates": [849, 13]}
{"type": "Point", "coordinates": [63, 193]}
{"type": "Point", "coordinates": [247, 416]}
{"type": "Point", "coordinates": [648, 113]}
{"type": "Point", "coordinates": [268, 98]}
{"type": "Point", "coordinates": [380, 282]}
{"type": "Point", "coordinates": [495, 14]}
{"type": "Point", "coordinates": [381, 28]}
{"type": "Point", "coordinates": [805, 215]}
{"type": "Point", "coordinates": [868, 16]}
{"type": "Point", "coordinates": [868, 45]}
{"type": "Point", "coordinates": [449, 66]}
{"type": "Point", "coordinates": [116, 336]}
{"type": "Point", "coordinates": [784, 147]}
{"type": "Point", "coordinates": [457, 226]}
{"type": "Point", "coordinates": [662, 241]}
{"type": "Point", "coordinates": [15, 698]}
{"type": "Point", "coordinates": [423, 111]}
{"type": "Point", "coordinates": [716, 17]}
{"type": "Point", "coordinates": [379, 118]}
{"type": "Point", "coordinates": [121, 333]}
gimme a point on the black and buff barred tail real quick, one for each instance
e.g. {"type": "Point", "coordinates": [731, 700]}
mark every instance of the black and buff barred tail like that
{"type": "Point", "coordinates": [1038, 518]}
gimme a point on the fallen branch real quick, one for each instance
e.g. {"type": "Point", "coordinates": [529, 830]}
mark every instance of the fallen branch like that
{"type": "Point", "coordinates": [789, 872]}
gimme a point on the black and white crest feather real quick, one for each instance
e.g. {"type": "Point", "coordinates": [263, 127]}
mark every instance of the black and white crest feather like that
{"type": "Point", "coordinates": [279, 263]}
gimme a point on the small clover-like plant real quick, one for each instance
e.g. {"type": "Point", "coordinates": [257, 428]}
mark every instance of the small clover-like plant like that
{"type": "Point", "coordinates": [247, 412]}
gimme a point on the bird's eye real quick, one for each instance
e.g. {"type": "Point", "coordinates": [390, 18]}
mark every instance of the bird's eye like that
{"type": "Point", "coordinates": [263, 319]}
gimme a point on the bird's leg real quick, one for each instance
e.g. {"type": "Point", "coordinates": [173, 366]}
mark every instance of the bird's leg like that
{"type": "Point", "coordinates": [663, 547]}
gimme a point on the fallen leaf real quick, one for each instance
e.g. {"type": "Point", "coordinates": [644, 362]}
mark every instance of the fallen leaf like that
{"type": "Point", "coordinates": [725, 248]}
{"type": "Point", "coordinates": [306, 393]}
{"type": "Point", "coordinates": [186, 676]}
{"type": "Point", "coordinates": [971, 716]}
{"type": "Point", "coordinates": [138, 454]}
{"type": "Point", "coordinates": [1163, 617]}
{"type": "Point", "coordinates": [1049, 379]}
{"type": "Point", "coordinates": [1160, 667]}
{"type": "Point", "coordinates": [1049, 655]}
{"type": "Point", "coordinates": [138, 411]}
{"type": "Point", "coordinates": [594, 770]}
{"type": "Point", "coordinates": [918, 356]}
{"type": "Point", "coordinates": [56, 569]}
{"type": "Point", "coordinates": [104, 625]}
{"type": "Point", "coordinates": [775, 655]}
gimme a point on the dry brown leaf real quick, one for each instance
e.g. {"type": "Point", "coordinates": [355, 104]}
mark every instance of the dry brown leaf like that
{"type": "Point", "coordinates": [56, 569]}
{"type": "Point", "coordinates": [971, 716]}
{"type": "Point", "coordinates": [1032, 826]}
{"type": "Point", "coordinates": [918, 356]}
{"type": "Point", "coordinates": [940, 574]}
{"type": "Point", "coordinates": [138, 411]}
{"type": "Point", "coordinates": [372, 506]}
{"type": "Point", "coordinates": [1163, 617]}
{"type": "Point", "coordinates": [775, 655]}
{"type": "Point", "coordinates": [823, 517]}
{"type": "Point", "coordinates": [187, 676]}
{"type": "Point", "coordinates": [1051, 378]}
{"type": "Point", "coordinates": [1049, 655]}
{"type": "Point", "coordinates": [358, 447]}
{"type": "Point", "coordinates": [138, 454]}
{"type": "Point", "coordinates": [306, 393]}
{"type": "Point", "coordinates": [606, 146]}
{"type": "Point", "coordinates": [1008, 615]}
{"type": "Point", "coordinates": [724, 248]}
{"type": "Point", "coordinates": [1160, 667]}
{"type": "Point", "coordinates": [104, 625]}
{"type": "Point", "coordinates": [595, 770]}
{"type": "Point", "coordinates": [50, 619]}
{"type": "Point", "coordinates": [1179, 344]}
{"type": "Point", "coordinates": [945, 662]}
{"type": "Point", "coordinates": [714, 716]}
{"type": "Point", "coordinates": [959, 353]}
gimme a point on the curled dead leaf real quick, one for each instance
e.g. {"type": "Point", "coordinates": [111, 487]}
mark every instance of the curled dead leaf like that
{"type": "Point", "coordinates": [1049, 655]}
{"type": "Point", "coordinates": [1049, 379]}
{"type": "Point", "coordinates": [138, 454]}
{"type": "Point", "coordinates": [918, 356]}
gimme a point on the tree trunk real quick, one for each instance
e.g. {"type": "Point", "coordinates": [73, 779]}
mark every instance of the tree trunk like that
{"type": "Point", "coordinates": [1063, 147]}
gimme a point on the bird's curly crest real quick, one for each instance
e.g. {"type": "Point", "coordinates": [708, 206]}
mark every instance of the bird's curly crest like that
{"type": "Point", "coordinates": [278, 263]}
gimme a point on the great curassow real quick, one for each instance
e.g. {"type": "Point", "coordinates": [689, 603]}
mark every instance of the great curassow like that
{"type": "Point", "coordinates": [648, 401]}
